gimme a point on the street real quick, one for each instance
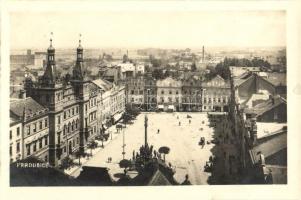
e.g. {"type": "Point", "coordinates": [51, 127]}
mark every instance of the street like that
{"type": "Point", "coordinates": [185, 155]}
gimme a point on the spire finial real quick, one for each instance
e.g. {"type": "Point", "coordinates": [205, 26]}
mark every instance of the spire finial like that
{"type": "Point", "coordinates": [80, 40]}
{"type": "Point", "coordinates": [51, 35]}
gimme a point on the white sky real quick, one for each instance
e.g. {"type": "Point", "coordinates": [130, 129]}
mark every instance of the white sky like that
{"type": "Point", "coordinates": [131, 29]}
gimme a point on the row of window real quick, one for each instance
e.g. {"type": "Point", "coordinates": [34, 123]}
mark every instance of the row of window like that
{"type": "Point", "coordinates": [93, 102]}
{"type": "Point", "coordinates": [218, 100]}
{"type": "Point", "coordinates": [37, 126]}
{"type": "Point", "coordinates": [18, 149]}
{"type": "Point", "coordinates": [17, 133]}
{"type": "Point", "coordinates": [36, 145]}
{"type": "Point", "coordinates": [71, 127]}
{"type": "Point", "coordinates": [92, 116]}
{"type": "Point", "coordinates": [69, 113]}
{"type": "Point", "coordinates": [169, 92]}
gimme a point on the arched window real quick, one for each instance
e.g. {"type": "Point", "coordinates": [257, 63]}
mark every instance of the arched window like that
{"type": "Point", "coordinates": [76, 124]}
{"type": "Point", "coordinates": [69, 126]}
{"type": "Point", "coordinates": [65, 129]}
{"type": "Point", "coordinates": [73, 126]}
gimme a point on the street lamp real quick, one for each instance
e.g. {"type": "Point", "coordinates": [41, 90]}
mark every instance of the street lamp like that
{"type": "Point", "coordinates": [123, 142]}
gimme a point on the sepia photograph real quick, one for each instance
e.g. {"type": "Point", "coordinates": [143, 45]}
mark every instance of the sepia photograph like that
{"type": "Point", "coordinates": [153, 98]}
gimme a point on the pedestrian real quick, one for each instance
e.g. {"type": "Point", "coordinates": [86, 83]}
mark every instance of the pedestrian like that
{"type": "Point", "coordinates": [189, 121]}
{"type": "Point", "coordinates": [179, 123]}
{"type": "Point", "coordinates": [158, 131]}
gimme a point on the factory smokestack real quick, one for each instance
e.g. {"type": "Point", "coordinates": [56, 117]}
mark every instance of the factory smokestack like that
{"type": "Point", "coordinates": [203, 54]}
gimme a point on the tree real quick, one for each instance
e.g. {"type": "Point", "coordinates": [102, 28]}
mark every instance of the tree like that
{"type": "Point", "coordinates": [79, 154]}
{"type": "Point", "coordinates": [158, 74]}
{"type": "Point", "coordinates": [193, 67]}
{"type": "Point", "coordinates": [125, 164]}
{"type": "Point", "coordinates": [92, 145]}
{"type": "Point", "coordinates": [164, 150]}
{"type": "Point", "coordinates": [66, 163]}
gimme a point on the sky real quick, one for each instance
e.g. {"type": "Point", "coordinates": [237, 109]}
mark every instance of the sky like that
{"type": "Point", "coordinates": [156, 29]}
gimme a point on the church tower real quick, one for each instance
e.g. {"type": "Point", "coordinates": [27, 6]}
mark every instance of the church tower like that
{"type": "Point", "coordinates": [49, 92]}
{"type": "Point", "coordinates": [49, 78]}
{"type": "Point", "coordinates": [81, 90]}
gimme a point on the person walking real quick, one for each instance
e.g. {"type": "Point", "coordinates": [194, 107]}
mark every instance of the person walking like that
{"type": "Point", "coordinates": [158, 131]}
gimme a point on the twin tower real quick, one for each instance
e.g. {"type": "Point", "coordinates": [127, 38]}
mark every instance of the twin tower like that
{"type": "Point", "coordinates": [50, 74]}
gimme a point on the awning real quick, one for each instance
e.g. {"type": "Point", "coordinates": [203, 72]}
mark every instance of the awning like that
{"type": "Point", "coordinates": [161, 106]}
{"type": "Point", "coordinates": [117, 117]}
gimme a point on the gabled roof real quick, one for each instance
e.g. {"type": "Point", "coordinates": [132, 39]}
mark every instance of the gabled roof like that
{"type": "Point", "coordinates": [158, 179]}
{"type": "Point", "coordinates": [95, 176]}
{"type": "Point", "coordinates": [216, 79]}
{"type": "Point", "coordinates": [269, 145]}
{"type": "Point", "coordinates": [27, 105]}
{"type": "Point", "coordinates": [103, 84]}
{"type": "Point", "coordinates": [265, 106]}
{"type": "Point", "coordinates": [110, 72]}
{"type": "Point", "coordinates": [277, 79]}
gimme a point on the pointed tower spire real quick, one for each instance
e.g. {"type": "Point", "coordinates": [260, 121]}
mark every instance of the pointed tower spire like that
{"type": "Point", "coordinates": [49, 76]}
{"type": "Point", "coordinates": [78, 69]}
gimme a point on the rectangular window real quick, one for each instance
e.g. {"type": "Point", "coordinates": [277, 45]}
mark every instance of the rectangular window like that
{"type": "Point", "coordinates": [46, 141]}
{"type": "Point", "coordinates": [10, 150]}
{"type": "Point", "coordinates": [162, 92]}
{"type": "Point", "coordinates": [34, 127]}
{"type": "Point", "coordinates": [46, 123]}
{"type": "Point", "coordinates": [18, 147]}
{"type": "Point", "coordinates": [76, 109]}
{"type": "Point", "coordinates": [40, 125]}
{"type": "Point", "coordinates": [34, 147]}
{"type": "Point", "coordinates": [28, 149]}
{"type": "Point", "coordinates": [10, 134]}
{"type": "Point", "coordinates": [28, 130]}
{"type": "Point", "coordinates": [59, 119]}
{"type": "Point", "coordinates": [40, 144]}
{"type": "Point", "coordinates": [18, 131]}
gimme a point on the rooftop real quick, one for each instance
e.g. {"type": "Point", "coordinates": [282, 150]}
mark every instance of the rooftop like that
{"type": "Point", "coordinates": [265, 106]}
{"type": "Point", "coordinates": [103, 84]}
{"type": "Point", "coordinates": [276, 79]}
{"type": "Point", "coordinates": [267, 129]}
{"type": "Point", "coordinates": [28, 106]}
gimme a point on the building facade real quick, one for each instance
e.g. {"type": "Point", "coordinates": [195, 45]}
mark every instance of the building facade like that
{"type": "Point", "coordinates": [29, 134]}
{"type": "Point", "coordinates": [169, 93]}
{"type": "Point", "coordinates": [71, 112]}
{"type": "Point", "coordinates": [15, 139]}
{"type": "Point", "coordinates": [150, 93]}
{"type": "Point", "coordinates": [216, 95]}
{"type": "Point", "coordinates": [135, 90]}
{"type": "Point", "coordinates": [192, 95]}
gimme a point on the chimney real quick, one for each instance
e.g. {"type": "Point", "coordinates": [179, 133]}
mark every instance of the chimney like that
{"type": "Point", "coordinates": [203, 54]}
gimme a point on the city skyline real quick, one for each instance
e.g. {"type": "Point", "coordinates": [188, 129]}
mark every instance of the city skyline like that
{"type": "Point", "coordinates": [151, 29]}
